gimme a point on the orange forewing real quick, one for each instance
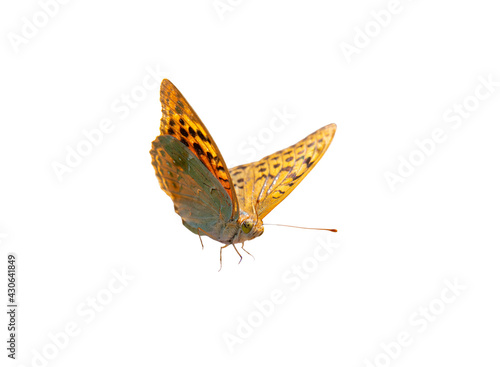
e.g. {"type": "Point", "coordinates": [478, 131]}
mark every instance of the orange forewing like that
{"type": "Point", "coordinates": [180, 121]}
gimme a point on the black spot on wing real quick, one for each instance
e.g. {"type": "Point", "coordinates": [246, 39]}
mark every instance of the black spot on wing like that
{"type": "Point", "coordinates": [202, 136]}
{"type": "Point", "coordinates": [198, 149]}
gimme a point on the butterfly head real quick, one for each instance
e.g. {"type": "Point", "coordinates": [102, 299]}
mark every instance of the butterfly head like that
{"type": "Point", "coordinates": [250, 227]}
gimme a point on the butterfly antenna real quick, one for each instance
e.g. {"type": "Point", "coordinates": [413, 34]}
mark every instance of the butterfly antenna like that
{"type": "Point", "coordinates": [285, 225]}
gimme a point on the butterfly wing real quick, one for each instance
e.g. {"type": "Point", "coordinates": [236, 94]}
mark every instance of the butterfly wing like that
{"type": "Point", "coordinates": [180, 121]}
{"type": "Point", "coordinates": [198, 196]}
{"type": "Point", "coordinates": [262, 185]}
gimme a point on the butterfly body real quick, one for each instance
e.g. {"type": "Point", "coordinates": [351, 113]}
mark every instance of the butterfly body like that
{"type": "Point", "coordinates": [226, 205]}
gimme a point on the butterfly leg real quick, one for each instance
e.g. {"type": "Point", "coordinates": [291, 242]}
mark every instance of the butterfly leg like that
{"type": "Point", "coordinates": [241, 257]}
{"type": "Point", "coordinates": [243, 248]}
{"type": "Point", "coordinates": [202, 247]}
{"type": "Point", "coordinates": [221, 256]}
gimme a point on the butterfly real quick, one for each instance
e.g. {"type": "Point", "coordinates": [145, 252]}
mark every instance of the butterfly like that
{"type": "Point", "coordinates": [227, 205]}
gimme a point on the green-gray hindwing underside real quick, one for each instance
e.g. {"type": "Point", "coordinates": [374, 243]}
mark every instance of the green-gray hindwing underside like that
{"type": "Point", "coordinates": [198, 196]}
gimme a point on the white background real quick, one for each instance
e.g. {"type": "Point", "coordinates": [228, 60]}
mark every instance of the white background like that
{"type": "Point", "coordinates": [395, 250]}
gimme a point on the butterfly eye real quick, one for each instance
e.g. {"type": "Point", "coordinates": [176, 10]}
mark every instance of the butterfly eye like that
{"type": "Point", "coordinates": [246, 226]}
